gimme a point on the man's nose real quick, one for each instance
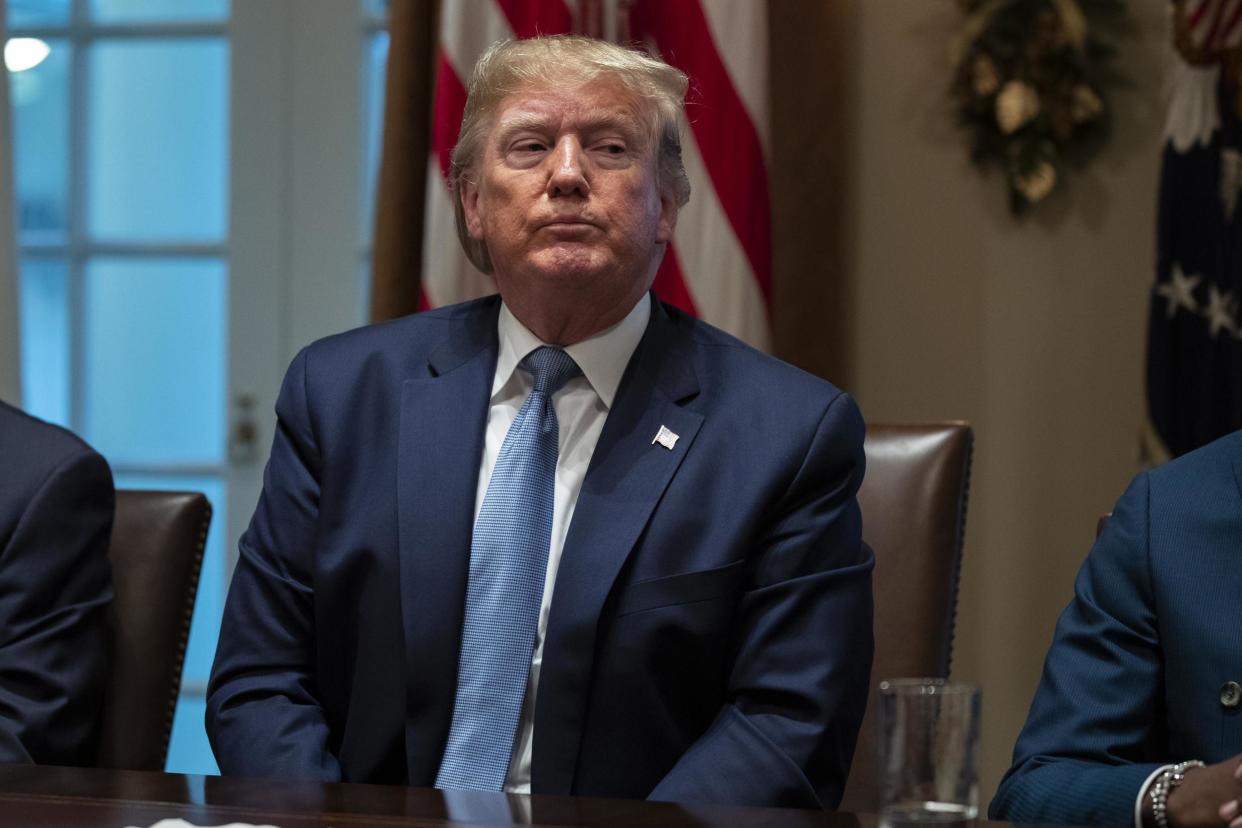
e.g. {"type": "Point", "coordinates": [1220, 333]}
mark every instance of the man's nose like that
{"type": "Point", "coordinates": [568, 171]}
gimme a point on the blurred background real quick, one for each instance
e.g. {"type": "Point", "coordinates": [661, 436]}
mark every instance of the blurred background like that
{"type": "Point", "coordinates": [195, 185]}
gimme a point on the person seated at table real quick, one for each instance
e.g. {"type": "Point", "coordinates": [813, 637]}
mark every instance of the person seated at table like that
{"type": "Point", "coordinates": [1137, 718]}
{"type": "Point", "coordinates": [56, 507]}
{"type": "Point", "coordinates": [566, 539]}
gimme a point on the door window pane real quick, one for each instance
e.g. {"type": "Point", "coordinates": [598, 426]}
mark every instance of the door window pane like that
{"type": "Point", "coordinates": [188, 749]}
{"type": "Point", "coordinates": [157, 152]}
{"type": "Point", "coordinates": [162, 11]}
{"type": "Point", "coordinates": [373, 125]}
{"type": "Point", "coordinates": [154, 359]}
{"type": "Point", "coordinates": [43, 308]}
{"type": "Point", "coordinates": [40, 107]}
{"type": "Point", "coordinates": [38, 13]}
{"type": "Point", "coordinates": [364, 289]}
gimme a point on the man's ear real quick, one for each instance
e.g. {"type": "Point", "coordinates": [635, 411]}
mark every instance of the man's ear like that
{"type": "Point", "coordinates": [668, 219]}
{"type": "Point", "coordinates": [470, 206]}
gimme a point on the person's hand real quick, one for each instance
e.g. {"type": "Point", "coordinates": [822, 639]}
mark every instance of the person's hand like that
{"type": "Point", "coordinates": [1231, 810]}
{"type": "Point", "coordinates": [1208, 796]}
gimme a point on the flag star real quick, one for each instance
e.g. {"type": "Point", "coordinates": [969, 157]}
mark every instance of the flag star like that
{"type": "Point", "coordinates": [1179, 291]}
{"type": "Point", "coordinates": [1220, 311]}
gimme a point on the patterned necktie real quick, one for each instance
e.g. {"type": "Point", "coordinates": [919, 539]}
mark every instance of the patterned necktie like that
{"type": "Point", "coordinates": [508, 562]}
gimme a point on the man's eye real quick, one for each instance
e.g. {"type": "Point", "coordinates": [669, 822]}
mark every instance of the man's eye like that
{"type": "Point", "coordinates": [614, 149]}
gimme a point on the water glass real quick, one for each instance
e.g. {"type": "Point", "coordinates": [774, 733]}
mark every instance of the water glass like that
{"type": "Point", "coordinates": [929, 751]}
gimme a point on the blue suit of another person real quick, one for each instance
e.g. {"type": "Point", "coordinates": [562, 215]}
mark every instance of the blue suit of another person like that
{"type": "Point", "coordinates": [709, 637]}
{"type": "Point", "coordinates": [56, 505]}
{"type": "Point", "coordinates": [1137, 669]}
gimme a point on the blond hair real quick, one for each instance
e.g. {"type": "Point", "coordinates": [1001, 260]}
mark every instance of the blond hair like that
{"type": "Point", "coordinates": [566, 61]}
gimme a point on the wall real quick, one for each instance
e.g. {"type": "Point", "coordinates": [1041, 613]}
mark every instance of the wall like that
{"type": "Point", "coordinates": [1032, 330]}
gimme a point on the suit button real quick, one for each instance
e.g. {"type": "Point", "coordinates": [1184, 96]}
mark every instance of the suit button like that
{"type": "Point", "coordinates": [1230, 694]}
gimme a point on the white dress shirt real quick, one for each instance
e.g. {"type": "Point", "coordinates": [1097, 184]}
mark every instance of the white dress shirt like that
{"type": "Point", "coordinates": [582, 405]}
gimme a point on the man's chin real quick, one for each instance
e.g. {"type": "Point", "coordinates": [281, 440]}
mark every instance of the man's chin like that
{"type": "Point", "coordinates": [570, 263]}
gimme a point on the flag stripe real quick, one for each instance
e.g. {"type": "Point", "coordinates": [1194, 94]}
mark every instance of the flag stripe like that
{"type": "Point", "coordinates": [467, 29]}
{"type": "Point", "coordinates": [1216, 18]}
{"type": "Point", "coordinates": [669, 284]}
{"type": "Point", "coordinates": [450, 103]}
{"type": "Point", "coordinates": [1196, 14]}
{"type": "Point", "coordinates": [1229, 35]}
{"type": "Point", "coordinates": [728, 140]}
{"type": "Point", "coordinates": [733, 22]}
{"type": "Point", "coordinates": [714, 266]}
{"type": "Point", "coordinates": [528, 19]}
{"type": "Point", "coordinates": [448, 276]}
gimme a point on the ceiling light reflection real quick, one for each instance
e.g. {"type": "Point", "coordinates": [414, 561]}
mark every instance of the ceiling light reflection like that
{"type": "Point", "coordinates": [22, 53]}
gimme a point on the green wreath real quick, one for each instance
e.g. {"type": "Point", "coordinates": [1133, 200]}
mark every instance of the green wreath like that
{"type": "Point", "coordinates": [1028, 83]}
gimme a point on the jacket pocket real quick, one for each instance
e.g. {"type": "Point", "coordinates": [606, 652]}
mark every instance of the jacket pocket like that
{"type": "Point", "coordinates": [685, 588]}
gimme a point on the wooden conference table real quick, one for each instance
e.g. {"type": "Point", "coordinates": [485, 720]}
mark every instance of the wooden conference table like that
{"type": "Point", "coordinates": [46, 797]}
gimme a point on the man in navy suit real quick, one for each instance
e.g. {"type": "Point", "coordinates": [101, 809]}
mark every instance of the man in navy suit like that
{"type": "Point", "coordinates": [701, 617]}
{"type": "Point", "coordinates": [1139, 707]}
{"type": "Point", "coordinates": [56, 504]}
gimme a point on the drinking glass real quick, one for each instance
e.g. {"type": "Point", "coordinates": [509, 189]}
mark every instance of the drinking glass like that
{"type": "Point", "coordinates": [929, 751]}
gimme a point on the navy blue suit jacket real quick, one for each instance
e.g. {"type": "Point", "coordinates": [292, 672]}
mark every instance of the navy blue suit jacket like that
{"type": "Point", "coordinates": [709, 635]}
{"type": "Point", "coordinates": [56, 505]}
{"type": "Point", "coordinates": [1134, 676]}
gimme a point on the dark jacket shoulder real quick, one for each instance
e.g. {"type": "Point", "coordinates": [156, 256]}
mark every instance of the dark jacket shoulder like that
{"type": "Point", "coordinates": [725, 360]}
{"type": "Point", "coordinates": [31, 449]}
{"type": "Point", "coordinates": [407, 338]}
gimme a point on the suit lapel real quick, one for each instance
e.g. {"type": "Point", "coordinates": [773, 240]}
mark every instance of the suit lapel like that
{"type": "Point", "coordinates": [627, 477]}
{"type": "Point", "coordinates": [443, 420]}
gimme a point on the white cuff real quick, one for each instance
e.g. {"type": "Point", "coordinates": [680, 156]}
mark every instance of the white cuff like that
{"type": "Point", "coordinates": [1138, 803]}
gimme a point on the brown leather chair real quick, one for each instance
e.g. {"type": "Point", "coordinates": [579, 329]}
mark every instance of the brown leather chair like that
{"type": "Point", "coordinates": [156, 554]}
{"type": "Point", "coordinates": [913, 502]}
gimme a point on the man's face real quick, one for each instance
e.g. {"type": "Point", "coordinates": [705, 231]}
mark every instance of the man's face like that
{"type": "Point", "coordinates": [564, 196]}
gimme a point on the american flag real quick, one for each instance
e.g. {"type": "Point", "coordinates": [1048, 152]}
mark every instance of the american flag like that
{"type": "Point", "coordinates": [1194, 333]}
{"type": "Point", "coordinates": [1213, 25]}
{"type": "Point", "coordinates": [719, 264]}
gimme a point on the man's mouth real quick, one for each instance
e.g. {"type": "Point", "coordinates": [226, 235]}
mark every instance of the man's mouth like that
{"type": "Point", "coordinates": [571, 226]}
{"type": "Point", "coordinates": [567, 221]}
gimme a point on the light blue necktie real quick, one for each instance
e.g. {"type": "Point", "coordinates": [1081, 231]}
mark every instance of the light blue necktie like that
{"type": "Point", "coordinates": [508, 562]}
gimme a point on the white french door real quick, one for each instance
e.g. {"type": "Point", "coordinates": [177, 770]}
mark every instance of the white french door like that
{"type": "Point", "coordinates": [190, 183]}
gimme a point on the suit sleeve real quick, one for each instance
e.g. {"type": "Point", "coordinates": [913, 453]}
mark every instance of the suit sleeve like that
{"type": "Point", "coordinates": [264, 716]}
{"type": "Point", "coordinates": [1091, 737]}
{"type": "Point", "coordinates": [799, 682]}
{"type": "Point", "coordinates": [55, 589]}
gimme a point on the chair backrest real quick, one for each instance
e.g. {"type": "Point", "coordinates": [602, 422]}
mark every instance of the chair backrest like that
{"type": "Point", "coordinates": [913, 502]}
{"type": "Point", "coordinates": [156, 554]}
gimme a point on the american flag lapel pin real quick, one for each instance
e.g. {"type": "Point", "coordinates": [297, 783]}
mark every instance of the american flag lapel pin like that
{"type": "Point", "coordinates": [665, 437]}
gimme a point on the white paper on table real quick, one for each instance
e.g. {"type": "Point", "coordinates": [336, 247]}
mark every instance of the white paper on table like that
{"type": "Point", "coordinates": [181, 823]}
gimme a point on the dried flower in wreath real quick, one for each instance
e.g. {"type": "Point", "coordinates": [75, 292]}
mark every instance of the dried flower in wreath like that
{"type": "Point", "coordinates": [1028, 84]}
{"type": "Point", "coordinates": [1016, 105]}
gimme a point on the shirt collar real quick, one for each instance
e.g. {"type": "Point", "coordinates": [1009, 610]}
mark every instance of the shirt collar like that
{"type": "Point", "coordinates": [601, 357]}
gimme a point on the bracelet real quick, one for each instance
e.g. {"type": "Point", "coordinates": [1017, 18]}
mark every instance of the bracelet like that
{"type": "Point", "coordinates": [1164, 785]}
